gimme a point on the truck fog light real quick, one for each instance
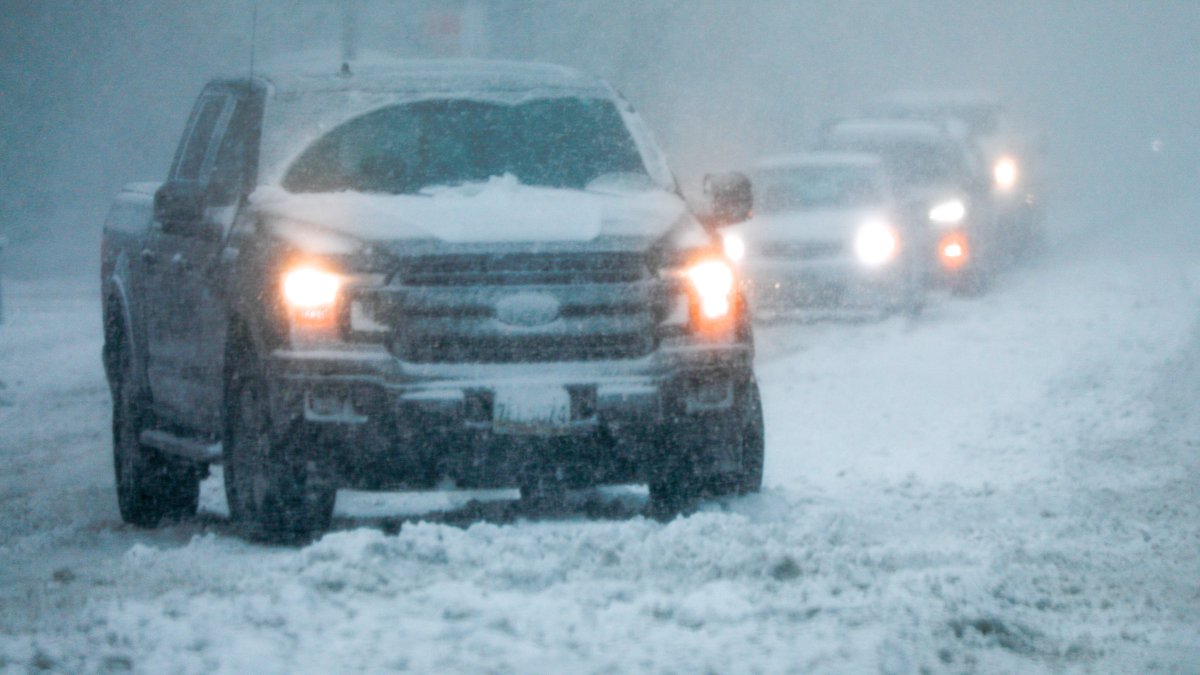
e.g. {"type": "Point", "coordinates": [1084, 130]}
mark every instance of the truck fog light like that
{"type": "Point", "coordinates": [325, 406]}
{"type": "Point", "coordinates": [710, 394]}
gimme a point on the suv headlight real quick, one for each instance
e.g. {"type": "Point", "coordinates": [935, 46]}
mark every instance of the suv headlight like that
{"type": "Point", "coordinates": [1005, 173]}
{"type": "Point", "coordinates": [949, 212]}
{"type": "Point", "coordinates": [876, 243]}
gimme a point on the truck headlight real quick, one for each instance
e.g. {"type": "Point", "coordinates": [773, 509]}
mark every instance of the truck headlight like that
{"type": "Point", "coordinates": [876, 243]}
{"type": "Point", "coordinates": [1005, 173]}
{"type": "Point", "coordinates": [713, 281]}
{"type": "Point", "coordinates": [311, 293]}
{"type": "Point", "coordinates": [949, 212]}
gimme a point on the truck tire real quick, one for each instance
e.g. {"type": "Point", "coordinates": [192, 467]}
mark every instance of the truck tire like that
{"type": "Point", "coordinates": [151, 487]}
{"type": "Point", "coordinates": [753, 443]}
{"type": "Point", "coordinates": [678, 484]}
{"type": "Point", "coordinates": [274, 492]}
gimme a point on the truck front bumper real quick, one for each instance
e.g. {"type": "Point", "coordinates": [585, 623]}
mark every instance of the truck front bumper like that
{"type": "Point", "coordinates": [389, 422]}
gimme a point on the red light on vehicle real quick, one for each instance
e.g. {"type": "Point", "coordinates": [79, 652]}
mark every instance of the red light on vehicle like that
{"type": "Point", "coordinates": [953, 250]}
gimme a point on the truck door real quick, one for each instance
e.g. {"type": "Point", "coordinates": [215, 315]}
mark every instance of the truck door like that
{"type": "Point", "coordinates": [163, 259]}
{"type": "Point", "coordinates": [205, 269]}
{"type": "Point", "coordinates": [215, 169]}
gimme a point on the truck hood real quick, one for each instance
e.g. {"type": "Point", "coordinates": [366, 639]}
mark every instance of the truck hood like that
{"type": "Point", "coordinates": [498, 213]}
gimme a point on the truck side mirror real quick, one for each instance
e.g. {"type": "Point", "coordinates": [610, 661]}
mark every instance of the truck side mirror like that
{"type": "Point", "coordinates": [729, 197]}
{"type": "Point", "coordinates": [179, 206]}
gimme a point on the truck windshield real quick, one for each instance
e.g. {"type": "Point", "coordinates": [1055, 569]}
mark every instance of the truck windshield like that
{"type": "Point", "coordinates": [809, 187]}
{"type": "Point", "coordinates": [403, 149]}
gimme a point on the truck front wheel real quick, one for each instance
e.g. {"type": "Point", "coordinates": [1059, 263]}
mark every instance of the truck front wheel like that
{"type": "Point", "coordinates": [274, 492]}
{"type": "Point", "coordinates": [151, 487]}
{"type": "Point", "coordinates": [683, 478]}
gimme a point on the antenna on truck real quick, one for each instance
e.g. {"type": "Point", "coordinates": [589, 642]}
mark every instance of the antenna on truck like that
{"type": "Point", "coordinates": [253, 35]}
{"type": "Point", "coordinates": [349, 31]}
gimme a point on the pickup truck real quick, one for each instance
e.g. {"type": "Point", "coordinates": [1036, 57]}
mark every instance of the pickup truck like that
{"type": "Point", "coordinates": [398, 275]}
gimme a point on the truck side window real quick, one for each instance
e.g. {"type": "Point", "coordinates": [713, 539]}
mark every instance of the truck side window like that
{"type": "Point", "coordinates": [191, 160]}
{"type": "Point", "coordinates": [232, 161]}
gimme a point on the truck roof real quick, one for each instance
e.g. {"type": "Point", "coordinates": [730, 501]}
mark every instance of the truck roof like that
{"type": "Point", "coordinates": [325, 72]}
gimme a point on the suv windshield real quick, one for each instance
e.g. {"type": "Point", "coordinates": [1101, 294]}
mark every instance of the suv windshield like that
{"type": "Point", "coordinates": [909, 162]}
{"type": "Point", "coordinates": [403, 149]}
{"type": "Point", "coordinates": [808, 187]}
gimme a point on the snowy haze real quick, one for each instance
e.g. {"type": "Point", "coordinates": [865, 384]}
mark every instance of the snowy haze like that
{"type": "Point", "coordinates": [93, 95]}
{"type": "Point", "coordinates": [1007, 483]}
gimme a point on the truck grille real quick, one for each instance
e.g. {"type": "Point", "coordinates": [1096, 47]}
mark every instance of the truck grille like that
{"type": "Point", "coordinates": [444, 308]}
{"type": "Point", "coordinates": [524, 349]}
{"type": "Point", "coordinates": [523, 269]}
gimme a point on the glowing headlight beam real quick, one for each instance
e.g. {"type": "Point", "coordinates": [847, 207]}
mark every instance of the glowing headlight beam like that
{"type": "Point", "coordinates": [310, 291]}
{"type": "Point", "coordinates": [735, 247]}
{"type": "Point", "coordinates": [876, 243]}
{"type": "Point", "coordinates": [713, 280]}
{"type": "Point", "coordinates": [1005, 173]}
{"type": "Point", "coordinates": [949, 212]}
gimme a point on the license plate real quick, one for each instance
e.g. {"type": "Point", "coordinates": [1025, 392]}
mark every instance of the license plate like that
{"type": "Point", "coordinates": [534, 410]}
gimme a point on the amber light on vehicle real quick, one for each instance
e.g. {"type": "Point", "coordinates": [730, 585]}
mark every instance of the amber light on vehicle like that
{"type": "Point", "coordinates": [953, 250]}
{"type": "Point", "coordinates": [311, 293]}
{"type": "Point", "coordinates": [713, 280]}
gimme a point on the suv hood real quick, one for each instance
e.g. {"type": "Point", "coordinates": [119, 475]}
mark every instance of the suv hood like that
{"type": "Point", "coordinates": [500, 212]}
{"type": "Point", "coordinates": [832, 224]}
{"type": "Point", "coordinates": [930, 193]}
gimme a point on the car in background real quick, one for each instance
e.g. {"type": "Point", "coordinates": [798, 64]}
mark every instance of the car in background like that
{"type": "Point", "coordinates": [825, 236]}
{"type": "Point", "coordinates": [1009, 153]}
{"type": "Point", "coordinates": [941, 188]}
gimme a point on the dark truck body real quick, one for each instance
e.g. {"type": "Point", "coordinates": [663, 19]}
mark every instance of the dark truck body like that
{"type": "Point", "coordinates": [430, 336]}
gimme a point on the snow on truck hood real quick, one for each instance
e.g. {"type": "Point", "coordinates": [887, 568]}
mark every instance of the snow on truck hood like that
{"type": "Point", "coordinates": [499, 210]}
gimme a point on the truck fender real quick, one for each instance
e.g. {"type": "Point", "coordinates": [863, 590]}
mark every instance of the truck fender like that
{"type": "Point", "coordinates": [117, 299]}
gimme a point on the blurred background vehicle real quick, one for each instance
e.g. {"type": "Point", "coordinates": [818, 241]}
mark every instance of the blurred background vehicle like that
{"type": "Point", "coordinates": [1009, 152]}
{"type": "Point", "coordinates": [825, 236]}
{"type": "Point", "coordinates": [941, 188]}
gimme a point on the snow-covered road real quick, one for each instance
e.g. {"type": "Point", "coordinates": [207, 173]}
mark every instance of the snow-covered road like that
{"type": "Point", "coordinates": [1009, 484]}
